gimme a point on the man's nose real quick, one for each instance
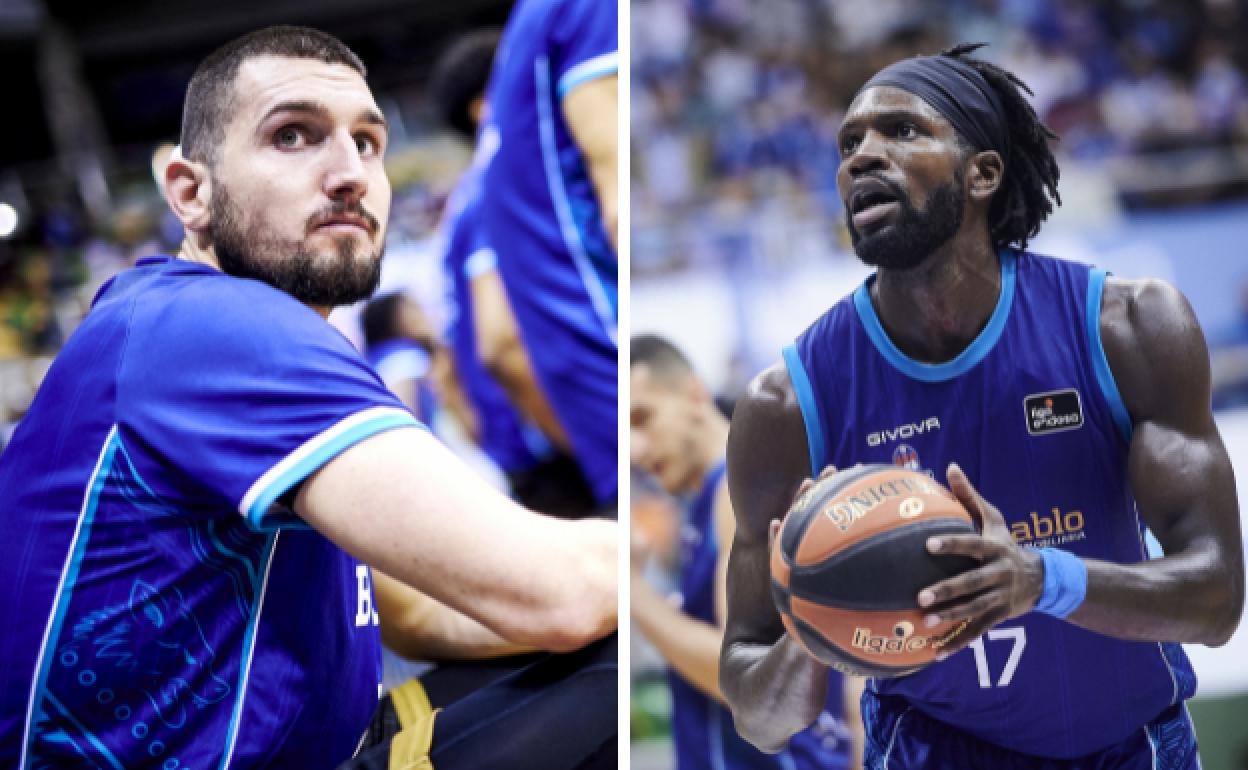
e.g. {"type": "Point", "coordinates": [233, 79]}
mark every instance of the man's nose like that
{"type": "Point", "coordinates": [345, 176]}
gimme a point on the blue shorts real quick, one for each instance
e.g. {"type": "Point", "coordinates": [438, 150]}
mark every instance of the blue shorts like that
{"type": "Point", "coordinates": [900, 737]}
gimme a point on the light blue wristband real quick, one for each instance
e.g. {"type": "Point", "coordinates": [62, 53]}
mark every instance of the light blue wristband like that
{"type": "Point", "coordinates": [1065, 583]}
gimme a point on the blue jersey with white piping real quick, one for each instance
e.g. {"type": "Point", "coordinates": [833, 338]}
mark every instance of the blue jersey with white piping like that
{"type": "Point", "coordinates": [543, 220]}
{"type": "Point", "coordinates": [166, 608]}
{"type": "Point", "coordinates": [1031, 412]}
{"type": "Point", "coordinates": [702, 728]}
{"type": "Point", "coordinates": [509, 440]}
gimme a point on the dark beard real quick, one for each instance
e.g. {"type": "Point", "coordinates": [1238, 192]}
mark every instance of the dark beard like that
{"type": "Point", "coordinates": [312, 278]}
{"type": "Point", "coordinates": [912, 238]}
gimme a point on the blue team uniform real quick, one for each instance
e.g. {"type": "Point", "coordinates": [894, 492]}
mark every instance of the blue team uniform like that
{"type": "Point", "coordinates": [166, 609]}
{"type": "Point", "coordinates": [1031, 412]}
{"type": "Point", "coordinates": [702, 729]}
{"type": "Point", "coordinates": [400, 359]}
{"type": "Point", "coordinates": [510, 442]}
{"type": "Point", "coordinates": [543, 220]}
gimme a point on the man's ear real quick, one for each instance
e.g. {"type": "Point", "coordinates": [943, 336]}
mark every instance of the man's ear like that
{"type": "Point", "coordinates": [188, 190]}
{"type": "Point", "coordinates": [984, 175]}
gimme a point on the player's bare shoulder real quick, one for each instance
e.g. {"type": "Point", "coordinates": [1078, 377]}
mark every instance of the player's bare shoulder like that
{"type": "Point", "coordinates": [767, 453]}
{"type": "Point", "coordinates": [1153, 342]}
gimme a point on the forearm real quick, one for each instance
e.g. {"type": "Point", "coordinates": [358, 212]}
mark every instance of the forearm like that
{"type": "Point", "coordinates": [402, 503]}
{"type": "Point", "coordinates": [1186, 598]}
{"type": "Point", "coordinates": [511, 368]}
{"type": "Point", "coordinates": [774, 691]}
{"type": "Point", "coordinates": [691, 646]}
{"type": "Point", "coordinates": [421, 628]}
{"type": "Point", "coordinates": [446, 380]}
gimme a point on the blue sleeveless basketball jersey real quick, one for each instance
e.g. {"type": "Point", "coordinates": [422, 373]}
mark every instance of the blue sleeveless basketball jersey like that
{"type": "Point", "coordinates": [1031, 412]}
{"type": "Point", "coordinates": [164, 607]}
{"type": "Point", "coordinates": [702, 728]}
{"type": "Point", "coordinates": [542, 218]}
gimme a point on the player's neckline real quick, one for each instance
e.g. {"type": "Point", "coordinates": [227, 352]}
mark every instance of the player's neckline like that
{"type": "Point", "coordinates": [980, 347]}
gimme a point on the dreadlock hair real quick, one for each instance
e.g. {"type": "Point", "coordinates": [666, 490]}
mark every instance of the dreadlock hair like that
{"type": "Point", "coordinates": [1029, 185]}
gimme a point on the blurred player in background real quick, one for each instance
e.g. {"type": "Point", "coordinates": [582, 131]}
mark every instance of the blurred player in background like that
{"type": "Point", "coordinates": [1077, 403]}
{"type": "Point", "coordinates": [208, 467]}
{"type": "Point", "coordinates": [678, 436]}
{"type": "Point", "coordinates": [401, 347]}
{"type": "Point", "coordinates": [549, 202]}
{"type": "Point", "coordinates": [484, 342]}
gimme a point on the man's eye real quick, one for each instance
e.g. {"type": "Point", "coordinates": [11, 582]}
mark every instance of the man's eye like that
{"type": "Point", "coordinates": [366, 145]}
{"type": "Point", "coordinates": [288, 136]}
{"type": "Point", "coordinates": [848, 146]}
{"type": "Point", "coordinates": [907, 130]}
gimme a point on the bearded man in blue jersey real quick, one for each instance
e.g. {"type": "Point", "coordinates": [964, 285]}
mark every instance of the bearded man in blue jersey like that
{"type": "Point", "coordinates": [193, 503]}
{"type": "Point", "coordinates": [1069, 412]}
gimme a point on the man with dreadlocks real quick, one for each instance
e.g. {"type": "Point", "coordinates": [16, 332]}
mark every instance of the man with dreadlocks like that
{"type": "Point", "coordinates": [1069, 412]}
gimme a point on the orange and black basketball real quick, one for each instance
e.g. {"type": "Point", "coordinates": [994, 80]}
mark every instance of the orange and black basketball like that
{"type": "Point", "coordinates": [850, 560]}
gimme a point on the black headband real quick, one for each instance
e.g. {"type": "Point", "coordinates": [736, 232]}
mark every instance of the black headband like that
{"type": "Point", "coordinates": [957, 91]}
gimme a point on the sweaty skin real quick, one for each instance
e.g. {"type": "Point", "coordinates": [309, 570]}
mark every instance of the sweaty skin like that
{"type": "Point", "coordinates": [1178, 468]}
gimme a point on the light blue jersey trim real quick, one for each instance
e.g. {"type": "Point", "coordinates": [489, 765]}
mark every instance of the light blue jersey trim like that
{"type": "Point", "coordinates": [604, 300]}
{"type": "Point", "coordinates": [65, 713]}
{"type": "Point", "coordinates": [65, 590]}
{"type": "Point", "coordinates": [249, 646]}
{"type": "Point", "coordinates": [974, 353]}
{"type": "Point", "coordinates": [318, 457]}
{"type": "Point", "coordinates": [590, 69]}
{"type": "Point", "coordinates": [1104, 376]}
{"type": "Point", "coordinates": [480, 262]}
{"type": "Point", "coordinates": [810, 411]}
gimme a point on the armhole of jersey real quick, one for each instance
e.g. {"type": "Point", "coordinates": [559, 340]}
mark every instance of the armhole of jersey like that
{"type": "Point", "coordinates": [309, 457]}
{"type": "Point", "coordinates": [1100, 363]}
{"type": "Point", "coordinates": [810, 411]}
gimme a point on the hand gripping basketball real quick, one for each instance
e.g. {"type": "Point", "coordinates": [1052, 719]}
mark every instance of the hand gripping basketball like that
{"type": "Point", "coordinates": [1007, 582]}
{"type": "Point", "coordinates": [850, 559]}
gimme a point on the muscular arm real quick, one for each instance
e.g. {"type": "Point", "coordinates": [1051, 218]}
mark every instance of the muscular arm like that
{"type": "Point", "coordinates": [504, 356]}
{"type": "Point", "coordinates": [420, 628]}
{"type": "Point", "coordinates": [690, 645]}
{"type": "Point", "coordinates": [1180, 474]}
{"type": "Point", "coordinates": [772, 686]}
{"type": "Point", "coordinates": [591, 110]}
{"type": "Point", "coordinates": [1183, 485]}
{"type": "Point", "coordinates": [402, 503]}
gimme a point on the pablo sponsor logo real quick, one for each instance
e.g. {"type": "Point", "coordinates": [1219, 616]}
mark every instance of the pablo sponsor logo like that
{"type": "Point", "coordinates": [905, 431]}
{"type": "Point", "coordinates": [903, 639]}
{"type": "Point", "coordinates": [858, 505]}
{"type": "Point", "coordinates": [1048, 530]}
{"type": "Point", "coordinates": [1053, 412]}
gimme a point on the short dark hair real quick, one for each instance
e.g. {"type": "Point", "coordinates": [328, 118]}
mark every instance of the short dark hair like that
{"type": "Point", "coordinates": [380, 319]}
{"type": "Point", "coordinates": [1029, 187]}
{"type": "Point", "coordinates": [210, 93]}
{"type": "Point", "coordinates": [662, 357]}
{"type": "Point", "coordinates": [461, 75]}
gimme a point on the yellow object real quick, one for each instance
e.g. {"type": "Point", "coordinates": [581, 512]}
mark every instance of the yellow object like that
{"type": "Point", "coordinates": [409, 749]}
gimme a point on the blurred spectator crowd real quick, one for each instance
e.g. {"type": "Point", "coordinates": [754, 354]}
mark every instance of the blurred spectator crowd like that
{"type": "Point", "coordinates": [735, 104]}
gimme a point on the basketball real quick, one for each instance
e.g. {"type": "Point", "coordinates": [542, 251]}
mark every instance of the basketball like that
{"type": "Point", "coordinates": [850, 560]}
